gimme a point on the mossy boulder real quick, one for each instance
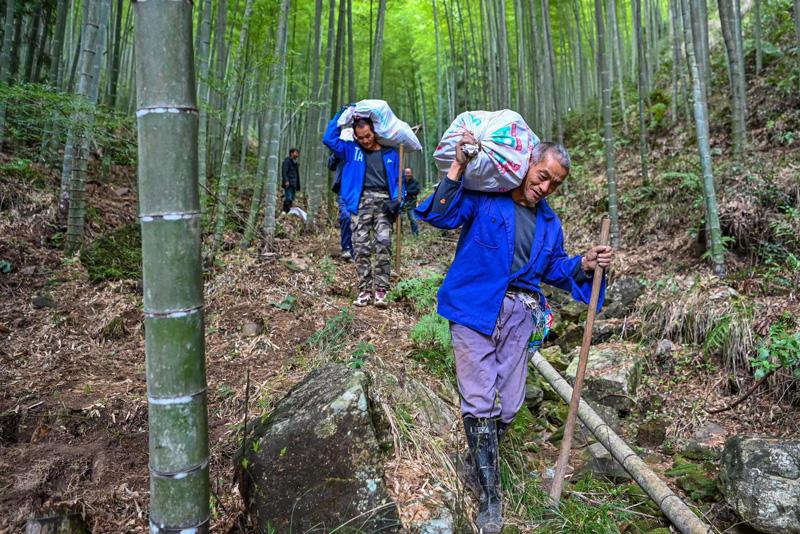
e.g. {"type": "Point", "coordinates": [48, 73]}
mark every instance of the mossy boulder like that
{"type": "Point", "coordinates": [760, 478]}
{"type": "Point", "coordinates": [114, 256]}
{"type": "Point", "coordinates": [315, 464]}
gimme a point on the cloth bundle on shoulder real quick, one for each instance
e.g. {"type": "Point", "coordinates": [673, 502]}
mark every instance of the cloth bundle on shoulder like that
{"type": "Point", "coordinates": [390, 130]}
{"type": "Point", "coordinates": [506, 143]}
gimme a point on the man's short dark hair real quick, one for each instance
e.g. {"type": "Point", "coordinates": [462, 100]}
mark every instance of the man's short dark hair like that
{"type": "Point", "coordinates": [293, 150]}
{"type": "Point", "coordinates": [556, 149]}
{"type": "Point", "coordinates": [363, 121]}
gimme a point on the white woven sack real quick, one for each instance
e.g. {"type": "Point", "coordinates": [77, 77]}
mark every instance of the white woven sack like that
{"type": "Point", "coordinates": [390, 130]}
{"type": "Point", "coordinates": [506, 143]}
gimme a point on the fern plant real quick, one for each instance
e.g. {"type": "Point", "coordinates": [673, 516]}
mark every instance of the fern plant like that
{"type": "Point", "coordinates": [420, 293]}
{"type": "Point", "coordinates": [781, 349]}
{"type": "Point", "coordinates": [431, 337]}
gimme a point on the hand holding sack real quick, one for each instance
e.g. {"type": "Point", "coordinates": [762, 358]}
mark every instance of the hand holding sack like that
{"type": "Point", "coordinates": [503, 155]}
{"type": "Point", "coordinates": [390, 130]}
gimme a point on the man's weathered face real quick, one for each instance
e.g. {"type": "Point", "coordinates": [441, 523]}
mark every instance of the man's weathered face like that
{"type": "Point", "coordinates": [543, 178]}
{"type": "Point", "coordinates": [408, 173]}
{"type": "Point", "coordinates": [365, 136]}
{"type": "Point", "coordinates": [294, 155]}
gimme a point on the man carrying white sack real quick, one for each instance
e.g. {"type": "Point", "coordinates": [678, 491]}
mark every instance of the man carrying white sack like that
{"type": "Point", "coordinates": [510, 244]}
{"type": "Point", "coordinates": [373, 201]}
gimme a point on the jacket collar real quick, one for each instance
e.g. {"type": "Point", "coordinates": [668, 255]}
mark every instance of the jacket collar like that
{"type": "Point", "coordinates": [545, 209]}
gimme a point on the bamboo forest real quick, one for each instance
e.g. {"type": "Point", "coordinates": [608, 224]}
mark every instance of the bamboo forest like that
{"type": "Point", "coordinates": [425, 266]}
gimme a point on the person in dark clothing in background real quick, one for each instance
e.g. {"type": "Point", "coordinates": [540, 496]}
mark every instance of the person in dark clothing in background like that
{"type": "Point", "coordinates": [412, 190]}
{"type": "Point", "coordinates": [291, 179]}
{"type": "Point", "coordinates": [345, 232]}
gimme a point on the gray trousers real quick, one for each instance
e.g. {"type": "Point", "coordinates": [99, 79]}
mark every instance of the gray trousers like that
{"type": "Point", "coordinates": [491, 370]}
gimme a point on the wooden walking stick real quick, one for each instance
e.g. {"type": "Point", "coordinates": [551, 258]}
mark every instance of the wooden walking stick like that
{"type": "Point", "coordinates": [566, 441]}
{"type": "Point", "coordinates": [399, 215]}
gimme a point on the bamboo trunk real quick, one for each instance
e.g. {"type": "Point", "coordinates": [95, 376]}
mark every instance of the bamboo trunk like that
{"type": "Point", "coordinates": [693, 43]}
{"type": "Point", "coordinates": [608, 133]}
{"type": "Point", "coordinates": [5, 62]}
{"type": "Point", "coordinates": [676, 511]}
{"type": "Point", "coordinates": [172, 272]}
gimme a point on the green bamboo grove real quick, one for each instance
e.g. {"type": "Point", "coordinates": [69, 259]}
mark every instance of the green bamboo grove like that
{"type": "Point", "coordinates": [173, 282]}
{"type": "Point", "coordinates": [270, 73]}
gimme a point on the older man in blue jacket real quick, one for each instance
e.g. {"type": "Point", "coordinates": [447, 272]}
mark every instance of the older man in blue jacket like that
{"type": "Point", "coordinates": [370, 194]}
{"type": "Point", "coordinates": [510, 244]}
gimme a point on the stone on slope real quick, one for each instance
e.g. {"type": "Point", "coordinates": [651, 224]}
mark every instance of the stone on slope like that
{"type": "Point", "coordinates": [621, 296]}
{"type": "Point", "coordinates": [760, 479]}
{"type": "Point", "coordinates": [706, 443]}
{"type": "Point", "coordinates": [612, 375]}
{"type": "Point", "coordinates": [315, 463]}
{"type": "Point", "coordinates": [600, 462]}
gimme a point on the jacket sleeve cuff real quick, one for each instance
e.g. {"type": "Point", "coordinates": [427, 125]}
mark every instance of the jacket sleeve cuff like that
{"type": "Point", "coordinates": [579, 275]}
{"type": "Point", "coordinates": [445, 193]}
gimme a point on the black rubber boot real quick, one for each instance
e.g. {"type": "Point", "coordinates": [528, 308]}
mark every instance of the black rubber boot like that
{"type": "Point", "coordinates": [482, 441]}
{"type": "Point", "coordinates": [501, 430]}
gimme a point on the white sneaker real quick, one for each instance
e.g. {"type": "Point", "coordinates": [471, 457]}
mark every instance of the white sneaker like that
{"type": "Point", "coordinates": [380, 298]}
{"type": "Point", "coordinates": [363, 299]}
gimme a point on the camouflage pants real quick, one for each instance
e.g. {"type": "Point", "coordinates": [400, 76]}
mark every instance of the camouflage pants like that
{"type": "Point", "coordinates": [372, 233]}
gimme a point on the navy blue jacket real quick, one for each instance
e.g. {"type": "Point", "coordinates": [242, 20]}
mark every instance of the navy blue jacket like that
{"type": "Point", "coordinates": [473, 290]}
{"type": "Point", "coordinates": [355, 166]}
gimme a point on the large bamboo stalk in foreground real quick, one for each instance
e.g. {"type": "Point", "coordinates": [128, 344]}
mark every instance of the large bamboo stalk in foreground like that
{"type": "Point", "coordinates": [169, 207]}
{"type": "Point", "coordinates": [673, 507]}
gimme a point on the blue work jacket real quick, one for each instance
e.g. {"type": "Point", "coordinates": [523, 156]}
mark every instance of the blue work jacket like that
{"type": "Point", "coordinates": [355, 166]}
{"type": "Point", "coordinates": [473, 290]}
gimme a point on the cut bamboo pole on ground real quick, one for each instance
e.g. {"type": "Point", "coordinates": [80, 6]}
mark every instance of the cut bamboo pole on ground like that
{"type": "Point", "coordinates": [399, 221]}
{"type": "Point", "coordinates": [569, 428]}
{"type": "Point", "coordinates": [673, 507]}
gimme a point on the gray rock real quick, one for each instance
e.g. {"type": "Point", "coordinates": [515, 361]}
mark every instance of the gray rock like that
{"type": "Point", "coordinates": [315, 463]}
{"type": "Point", "coordinates": [572, 311]}
{"type": "Point", "coordinates": [600, 462]}
{"type": "Point", "coordinates": [760, 479]}
{"type": "Point", "coordinates": [652, 433]}
{"type": "Point", "coordinates": [706, 442]}
{"type": "Point", "coordinates": [70, 523]}
{"type": "Point", "coordinates": [621, 297]}
{"type": "Point", "coordinates": [609, 417]}
{"type": "Point", "coordinates": [612, 375]}
{"type": "Point", "coordinates": [534, 395]}
{"type": "Point", "coordinates": [435, 268]}
{"type": "Point", "coordinates": [555, 357]}
{"type": "Point", "coordinates": [664, 348]}
{"type": "Point", "coordinates": [44, 300]}
{"type": "Point", "coordinates": [442, 524]}
{"type": "Point", "coordinates": [29, 270]}
{"type": "Point", "coordinates": [602, 330]}
{"type": "Point", "coordinates": [295, 264]}
{"type": "Point", "coordinates": [252, 328]}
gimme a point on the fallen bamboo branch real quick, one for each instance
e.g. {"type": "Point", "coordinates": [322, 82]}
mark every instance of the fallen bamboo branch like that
{"type": "Point", "coordinates": [673, 507]}
{"type": "Point", "coordinates": [744, 397]}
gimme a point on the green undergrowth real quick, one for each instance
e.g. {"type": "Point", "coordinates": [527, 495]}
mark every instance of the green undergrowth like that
{"type": "Point", "coordinates": [587, 506]}
{"type": "Point", "coordinates": [418, 293]}
{"type": "Point", "coordinates": [433, 347]}
{"type": "Point", "coordinates": [335, 334]}
{"type": "Point", "coordinates": [114, 256]}
{"type": "Point", "coordinates": [697, 480]}
{"type": "Point", "coordinates": [780, 350]}
{"type": "Point", "coordinates": [701, 312]}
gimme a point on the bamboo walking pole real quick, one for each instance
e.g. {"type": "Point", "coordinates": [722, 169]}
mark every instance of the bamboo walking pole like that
{"type": "Point", "coordinates": [399, 215]}
{"type": "Point", "coordinates": [569, 428]}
